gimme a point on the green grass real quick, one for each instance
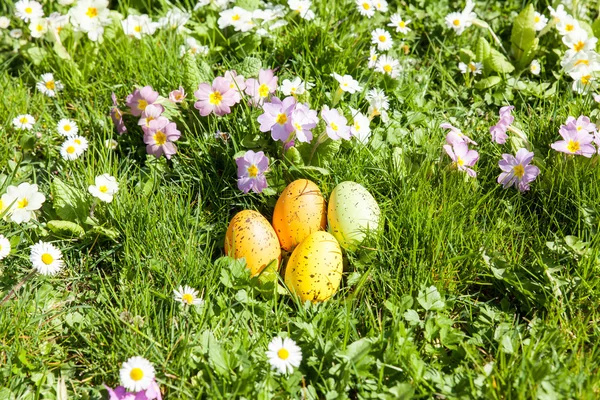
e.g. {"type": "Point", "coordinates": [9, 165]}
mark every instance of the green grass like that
{"type": "Point", "coordinates": [518, 316]}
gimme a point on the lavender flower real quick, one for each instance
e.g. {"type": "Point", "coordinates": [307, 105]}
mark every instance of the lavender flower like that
{"type": "Point", "coordinates": [151, 113]}
{"type": "Point", "coordinates": [217, 98]}
{"type": "Point", "coordinates": [455, 135]}
{"type": "Point", "coordinates": [304, 120]}
{"type": "Point", "coordinates": [498, 131]}
{"type": "Point", "coordinates": [177, 95]}
{"type": "Point", "coordinates": [337, 125]}
{"type": "Point", "coordinates": [236, 82]}
{"type": "Point", "coordinates": [140, 99]}
{"type": "Point", "coordinates": [576, 142]}
{"type": "Point", "coordinates": [277, 118]}
{"type": "Point", "coordinates": [251, 171]}
{"type": "Point", "coordinates": [517, 170]}
{"type": "Point", "coordinates": [120, 393]}
{"type": "Point", "coordinates": [117, 116]}
{"type": "Point", "coordinates": [581, 124]}
{"type": "Point", "coordinates": [463, 157]}
{"type": "Point", "coordinates": [159, 137]}
{"type": "Point", "coordinates": [259, 89]}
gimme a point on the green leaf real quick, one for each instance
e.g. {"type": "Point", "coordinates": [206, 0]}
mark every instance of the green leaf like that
{"type": "Point", "coordinates": [322, 155]}
{"type": "Point", "coordinates": [66, 228]}
{"type": "Point", "coordinates": [70, 204]}
{"type": "Point", "coordinates": [430, 299]}
{"type": "Point", "coordinates": [218, 357]}
{"type": "Point", "coordinates": [249, 67]}
{"type": "Point", "coordinates": [500, 63]}
{"type": "Point", "coordinates": [596, 27]}
{"type": "Point", "coordinates": [107, 232]}
{"type": "Point", "coordinates": [466, 55]}
{"type": "Point", "coordinates": [488, 82]}
{"type": "Point", "coordinates": [483, 50]}
{"type": "Point", "coordinates": [293, 155]}
{"type": "Point", "coordinates": [37, 54]}
{"type": "Point", "coordinates": [523, 33]}
{"type": "Point", "coordinates": [356, 351]}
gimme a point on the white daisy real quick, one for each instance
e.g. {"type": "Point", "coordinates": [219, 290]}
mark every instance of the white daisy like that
{"type": "Point", "coordinates": [577, 41]}
{"type": "Point", "coordinates": [46, 258]}
{"type": "Point", "coordinates": [567, 25]}
{"type": "Point", "coordinates": [365, 8]}
{"type": "Point", "coordinates": [175, 19]}
{"type": "Point", "coordinates": [472, 67]}
{"type": "Point", "coordinates": [284, 355]}
{"type": "Point", "coordinates": [377, 98]}
{"type": "Point", "coordinates": [294, 87]}
{"type": "Point", "coordinates": [67, 128]}
{"type": "Point", "coordinates": [22, 202]}
{"type": "Point", "coordinates": [23, 121]}
{"type": "Point", "coordinates": [4, 22]}
{"type": "Point", "coordinates": [28, 10]}
{"type": "Point", "coordinates": [192, 47]}
{"type": "Point", "coordinates": [105, 187]}
{"type": "Point", "coordinates": [559, 14]}
{"type": "Point", "coordinates": [380, 5]}
{"type": "Point", "coordinates": [303, 8]}
{"type": "Point", "coordinates": [535, 67]}
{"type": "Point", "coordinates": [15, 33]}
{"type": "Point", "coordinates": [398, 23]}
{"type": "Point", "coordinates": [373, 57]}
{"type": "Point", "coordinates": [347, 83]}
{"type": "Point", "coordinates": [4, 247]}
{"type": "Point", "coordinates": [91, 16]}
{"type": "Point", "coordinates": [81, 142]}
{"type": "Point", "coordinates": [540, 21]}
{"type": "Point", "coordinates": [70, 150]}
{"type": "Point", "coordinates": [187, 296]}
{"type": "Point", "coordinates": [236, 17]}
{"type": "Point", "coordinates": [38, 27]}
{"type": "Point", "coordinates": [138, 26]}
{"type": "Point", "coordinates": [461, 21]}
{"type": "Point", "coordinates": [382, 39]}
{"type": "Point", "coordinates": [136, 374]}
{"type": "Point", "coordinates": [360, 127]}
{"type": "Point", "coordinates": [388, 65]}
{"type": "Point", "coordinates": [48, 85]}
{"type": "Point", "coordinates": [57, 21]}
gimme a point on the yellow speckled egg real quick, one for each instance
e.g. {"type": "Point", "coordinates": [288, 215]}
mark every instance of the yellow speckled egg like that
{"type": "Point", "coordinates": [314, 270]}
{"type": "Point", "coordinates": [250, 236]}
{"type": "Point", "coordinates": [300, 211]}
{"type": "Point", "coordinates": [351, 213]}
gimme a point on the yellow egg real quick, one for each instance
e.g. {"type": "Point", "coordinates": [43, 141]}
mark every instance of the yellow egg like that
{"type": "Point", "coordinates": [250, 236]}
{"type": "Point", "coordinates": [300, 211]}
{"type": "Point", "coordinates": [314, 270]}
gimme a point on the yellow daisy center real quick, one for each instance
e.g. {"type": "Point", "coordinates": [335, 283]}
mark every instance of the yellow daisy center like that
{"type": "Point", "coordinates": [366, 6]}
{"type": "Point", "coordinates": [67, 128]}
{"type": "Point", "coordinates": [215, 98]}
{"type": "Point", "coordinates": [22, 203]}
{"type": "Point", "coordinates": [382, 38]}
{"type": "Point", "coordinates": [103, 189]}
{"type": "Point", "coordinates": [142, 104]}
{"type": "Point", "coordinates": [160, 138]}
{"type": "Point", "coordinates": [573, 146]}
{"type": "Point", "coordinates": [39, 27]}
{"type": "Point", "coordinates": [50, 85]}
{"type": "Point", "coordinates": [263, 90]}
{"type": "Point", "coordinates": [187, 298]}
{"type": "Point", "coordinates": [23, 120]}
{"type": "Point", "coordinates": [456, 22]}
{"type": "Point", "coordinates": [387, 68]}
{"type": "Point", "coordinates": [519, 171]}
{"type": "Point", "coordinates": [283, 354]}
{"type": "Point", "coordinates": [92, 12]}
{"type": "Point", "coordinates": [569, 27]}
{"type": "Point", "coordinates": [236, 17]}
{"type": "Point", "coordinates": [253, 171]}
{"type": "Point", "coordinates": [281, 118]}
{"type": "Point", "coordinates": [401, 24]}
{"type": "Point", "coordinates": [579, 46]}
{"type": "Point", "coordinates": [460, 161]}
{"type": "Point", "coordinates": [137, 28]}
{"type": "Point", "coordinates": [537, 18]}
{"type": "Point", "coordinates": [472, 67]}
{"type": "Point", "coordinates": [28, 10]}
{"type": "Point", "coordinates": [47, 259]}
{"type": "Point", "coordinates": [71, 149]}
{"type": "Point", "coordinates": [136, 374]}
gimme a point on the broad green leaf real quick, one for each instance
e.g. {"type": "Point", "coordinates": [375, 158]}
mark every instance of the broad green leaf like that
{"type": "Point", "coordinates": [523, 32]}
{"type": "Point", "coordinates": [466, 56]}
{"type": "Point", "coordinates": [322, 155]}
{"type": "Point", "coordinates": [596, 27]}
{"type": "Point", "coordinates": [107, 232]}
{"type": "Point", "coordinates": [37, 54]}
{"type": "Point", "coordinates": [488, 82]}
{"type": "Point", "coordinates": [356, 351]}
{"type": "Point", "coordinates": [430, 299]}
{"type": "Point", "coordinates": [483, 50]}
{"type": "Point", "coordinates": [66, 228]}
{"type": "Point", "coordinates": [249, 67]}
{"type": "Point", "coordinates": [500, 63]}
{"type": "Point", "coordinates": [69, 203]}
{"type": "Point", "coordinates": [293, 155]}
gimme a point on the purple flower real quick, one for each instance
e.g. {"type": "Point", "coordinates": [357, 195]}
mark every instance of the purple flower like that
{"type": "Point", "coordinates": [159, 137]}
{"type": "Point", "coordinates": [178, 95]}
{"type": "Point", "coordinates": [259, 89]}
{"type": "Point", "coordinates": [117, 116]}
{"type": "Point", "coordinates": [337, 124]}
{"type": "Point", "coordinates": [217, 98]}
{"type": "Point", "coordinates": [463, 157]}
{"type": "Point", "coordinates": [151, 113]}
{"type": "Point", "coordinates": [597, 140]}
{"type": "Point", "coordinates": [236, 82]}
{"type": "Point", "coordinates": [517, 171]}
{"type": "Point", "coordinates": [120, 393]}
{"type": "Point", "coordinates": [251, 171]}
{"type": "Point", "coordinates": [498, 131]}
{"type": "Point", "coordinates": [455, 135]}
{"type": "Point", "coordinates": [277, 118]}
{"type": "Point", "coordinates": [140, 99]}
{"type": "Point", "coordinates": [580, 124]}
{"type": "Point", "coordinates": [575, 141]}
{"type": "Point", "coordinates": [304, 120]}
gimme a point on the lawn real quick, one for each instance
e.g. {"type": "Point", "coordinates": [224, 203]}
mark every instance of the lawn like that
{"type": "Point", "coordinates": [478, 275]}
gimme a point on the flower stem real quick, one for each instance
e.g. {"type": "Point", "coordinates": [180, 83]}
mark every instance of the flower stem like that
{"type": "Point", "coordinates": [337, 96]}
{"type": "Point", "coordinates": [319, 140]}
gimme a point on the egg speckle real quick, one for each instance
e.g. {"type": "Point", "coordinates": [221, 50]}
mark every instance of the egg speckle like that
{"type": "Point", "coordinates": [351, 213]}
{"type": "Point", "coordinates": [250, 236]}
{"type": "Point", "coordinates": [314, 271]}
{"type": "Point", "coordinates": [300, 211]}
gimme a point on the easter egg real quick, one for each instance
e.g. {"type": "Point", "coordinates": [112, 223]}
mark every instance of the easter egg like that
{"type": "Point", "coordinates": [351, 213]}
{"type": "Point", "coordinates": [250, 236]}
{"type": "Point", "coordinates": [314, 270]}
{"type": "Point", "coordinates": [300, 211]}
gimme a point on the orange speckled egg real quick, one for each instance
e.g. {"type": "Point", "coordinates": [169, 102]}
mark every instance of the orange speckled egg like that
{"type": "Point", "coordinates": [250, 236]}
{"type": "Point", "coordinates": [314, 270]}
{"type": "Point", "coordinates": [300, 211]}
